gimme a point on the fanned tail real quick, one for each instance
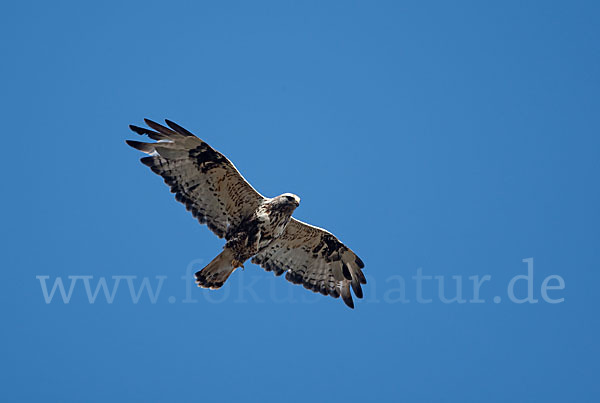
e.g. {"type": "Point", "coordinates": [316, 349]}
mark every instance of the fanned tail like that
{"type": "Point", "coordinates": [215, 274]}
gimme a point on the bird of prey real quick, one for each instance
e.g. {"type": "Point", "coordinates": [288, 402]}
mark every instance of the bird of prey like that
{"type": "Point", "coordinates": [254, 226]}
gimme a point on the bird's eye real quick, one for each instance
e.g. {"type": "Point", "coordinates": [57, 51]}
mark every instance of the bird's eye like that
{"type": "Point", "coordinates": [289, 198]}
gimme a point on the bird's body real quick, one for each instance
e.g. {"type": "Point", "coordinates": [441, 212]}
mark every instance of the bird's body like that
{"type": "Point", "coordinates": [257, 231]}
{"type": "Point", "coordinates": [254, 226]}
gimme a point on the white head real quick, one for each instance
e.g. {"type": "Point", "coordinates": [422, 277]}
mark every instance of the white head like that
{"type": "Point", "coordinates": [286, 201]}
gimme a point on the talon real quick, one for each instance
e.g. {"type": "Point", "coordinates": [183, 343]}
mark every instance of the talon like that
{"type": "Point", "coordinates": [236, 263]}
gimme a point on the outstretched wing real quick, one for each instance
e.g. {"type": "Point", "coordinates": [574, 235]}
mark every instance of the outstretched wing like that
{"type": "Point", "coordinates": [204, 180]}
{"type": "Point", "coordinates": [316, 259]}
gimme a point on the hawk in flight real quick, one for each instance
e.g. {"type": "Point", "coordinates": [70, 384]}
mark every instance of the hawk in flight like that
{"type": "Point", "coordinates": [254, 226]}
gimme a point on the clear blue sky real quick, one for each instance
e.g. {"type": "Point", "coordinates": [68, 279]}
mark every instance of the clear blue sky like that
{"type": "Point", "coordinates": [455, 137]}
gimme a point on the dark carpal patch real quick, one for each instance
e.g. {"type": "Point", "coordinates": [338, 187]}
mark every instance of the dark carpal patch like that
{"type": "Point", "coordinates": [206, 158]}
{"type": "Point", "coordinates": [329, 247]}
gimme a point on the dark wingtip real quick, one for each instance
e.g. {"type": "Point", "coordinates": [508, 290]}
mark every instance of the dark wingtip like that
{"type": "Point", "coordinates": [348, 301]}
{"type": "Point", "coordinates": [148, 161]}
{"type": "Point", "coordinates": [138, 145]}
{"type": "Point", "coordinates": [178, 128]}
{"type": "Point", "coordinates": [357, 289]}
{"type": "Point", "coordinates": [359, 262]}
{"type": "Point", "coordinates": [346, 272]}
{"type": "Point", "coordinates": [134, 144]}
{"type": "Point", "coordinates": [361, 277]}
{"type": "Point", "coordinates": [143, 131]}
{"type": "Point", "coordinates": [138, 130]}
